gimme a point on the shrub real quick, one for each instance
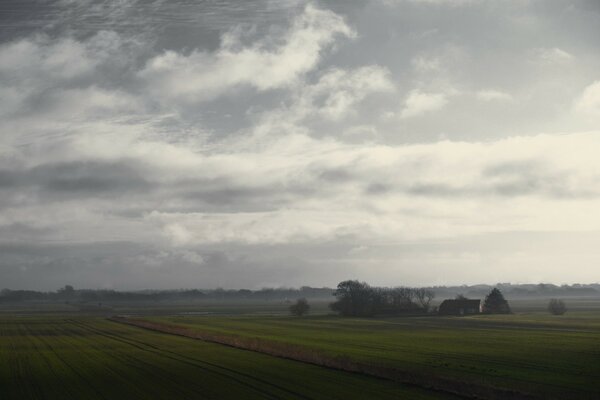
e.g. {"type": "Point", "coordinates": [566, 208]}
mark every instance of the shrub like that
{"type": "Point", "coordinates": [300, 308]}
{"type": "Point", "coordinates": [557, 307]}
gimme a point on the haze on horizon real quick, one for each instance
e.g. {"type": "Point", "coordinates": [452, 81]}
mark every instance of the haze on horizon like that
{"type": "Point", "coordinates": [170, 144]}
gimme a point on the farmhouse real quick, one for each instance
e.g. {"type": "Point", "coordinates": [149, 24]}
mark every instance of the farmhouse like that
{"type": "Point", "coordinates": [460, 307]}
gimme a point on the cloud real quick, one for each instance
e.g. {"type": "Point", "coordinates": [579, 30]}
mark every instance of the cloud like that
{"type": "Point", "coordinates": [262, 66]}
{"type": "Point", "coordinates": [286, 189]}
{"type": "Point", "coordinates": [334, 96]}
{"type": "Point", "coordinates": [45, 62]}
{"type": "Point", "coordinates": [553, 55]}
{"type": "Point", "coordinates": [424, 64]}
{"type": "Point", "coordinates": [215, 198]}
{"type": "Point", "coordinates": [588, 103]}
{"type": "Point", "coordinates": [56, 88]}
{"type": "Point", "coordinates": [81, 177]}
{"type": "Point", "coordinates": [493, 95]}
{"type": "Point", "coordinates": [61, 60]}
{"type": "Point", "coordinates": [340, 90]}
{"type": "Point", "coordinates": [162, 151]}
{"type": "Point", "coordinates": [452, 3]}
{"type": "Point", "coordinates": [418, 103]}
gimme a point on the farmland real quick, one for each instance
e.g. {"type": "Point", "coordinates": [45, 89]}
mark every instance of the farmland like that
{"type": "Point", "coordinates": [529, 353]}
{"type": "Point", "coordinates": [82, 357]}
{"type": "Point", "coordinates": [59, 350]}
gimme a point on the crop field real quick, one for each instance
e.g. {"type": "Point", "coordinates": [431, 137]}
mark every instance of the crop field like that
{"type": "Point", "coordinates": [78, 357]}
{"type": "Point", "coordinates": [528, 353]}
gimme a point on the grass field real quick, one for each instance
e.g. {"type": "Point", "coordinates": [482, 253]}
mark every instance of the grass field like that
{"type": "Point", "coordinates": [69, 357]}
{"type": "Point", "coordinates": [547, 356]}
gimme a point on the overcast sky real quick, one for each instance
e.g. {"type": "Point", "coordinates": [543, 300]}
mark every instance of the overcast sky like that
{"type": "Point", "coordinates": [180, 144]}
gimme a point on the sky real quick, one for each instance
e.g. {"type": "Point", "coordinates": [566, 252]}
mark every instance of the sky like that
{"type": "Point", "coordinates": [266, 143]}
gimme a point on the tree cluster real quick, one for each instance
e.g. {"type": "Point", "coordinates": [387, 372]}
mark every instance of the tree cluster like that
{"type": "Point", "coordinates": [358, 299]}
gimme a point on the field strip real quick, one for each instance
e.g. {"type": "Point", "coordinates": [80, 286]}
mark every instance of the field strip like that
{"type": "Point", "coordinates": [310, 356]}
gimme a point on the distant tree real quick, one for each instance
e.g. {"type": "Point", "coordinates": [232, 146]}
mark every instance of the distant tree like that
{"type": "Point", "coordinates": [67, 291]}
{"type": "Point", "coordinates": [424, 297]}
{"type": "Point", "coordinates": [354, 298]}
{"type": "Point", "coordinates": [461, 296]}
{"type": "Point", "coordinates": [300, 308]}
{"type": "Point", "coordinates": [557, 307]}
{"type": "Point", "coordinates": [495, 303]}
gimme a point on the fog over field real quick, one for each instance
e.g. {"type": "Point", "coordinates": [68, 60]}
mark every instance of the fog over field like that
{"type": "Point", "coordinates": [179, 143]}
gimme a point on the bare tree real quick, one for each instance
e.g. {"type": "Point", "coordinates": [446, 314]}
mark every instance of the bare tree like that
{"type": "Point", "coordinates": [423, 297]}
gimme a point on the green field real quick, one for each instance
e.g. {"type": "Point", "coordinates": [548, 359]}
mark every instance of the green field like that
{"type": "Point", "coordinates": [57, 351]}
{"type": "Point", "coordinates": [534, 353]}
{"type": "Point", "coordinates": [78, 357]}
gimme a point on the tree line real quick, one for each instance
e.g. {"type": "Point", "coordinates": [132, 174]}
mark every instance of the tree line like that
{"type": "Point", "coordinates": [69, 293]}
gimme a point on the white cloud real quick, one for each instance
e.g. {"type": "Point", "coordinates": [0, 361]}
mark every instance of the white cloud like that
{"type": "Point", "coordinates": [57, 87]}
{"type": "Point", "coordinates": [553, 55]}
{"type": "Point", "coordinates": [588, 104]}
{"type": "Point", "coordinates": [47, 62]}
{"type": "Point", "coordinates": [418, 103]}
{"type": "Point", "coordinates": [202, 75]}
{"type": "Point", "coordinates": [493, 95]}
{"type": "Point", "coordinates": [65, 59]}
{"type": "Point", "coordinates": [426, 64]}
{"type": "Point", "coordinates": [337, 92]}
{"type": "Point", "coordinates": [344, 89]}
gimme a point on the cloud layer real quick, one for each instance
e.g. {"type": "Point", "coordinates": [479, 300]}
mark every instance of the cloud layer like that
{"type": "Point", "coordinates": [306, 152]}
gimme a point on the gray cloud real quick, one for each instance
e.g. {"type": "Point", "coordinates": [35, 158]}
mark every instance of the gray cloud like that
{"type": "Point", "coordinates": [79, 176]}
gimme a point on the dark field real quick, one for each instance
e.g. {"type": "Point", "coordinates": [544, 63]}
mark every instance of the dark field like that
{"type": "Point", "coordinates": [92, 358]}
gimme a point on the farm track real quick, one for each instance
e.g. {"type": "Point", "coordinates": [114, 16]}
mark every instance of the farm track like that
{"type": "Point", "coordinates": [294, 352]}
{"type": "Point", "coordinates": [119, 356]}
{"type": "Point", "coordinates": [157, 373]}
{"type": "Point", "coordinates": [21, 371]}
{"type": "Point", "coordinates": [74, 370]}
{"type": "Point", "coordinates": [47, 362]}
{"type": "Point", "coordinates": [213, 368]}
